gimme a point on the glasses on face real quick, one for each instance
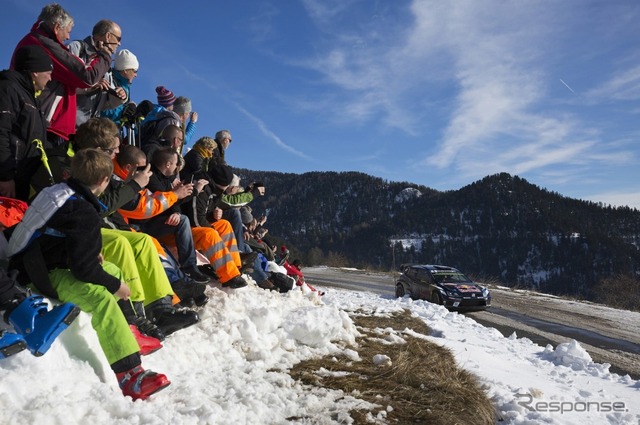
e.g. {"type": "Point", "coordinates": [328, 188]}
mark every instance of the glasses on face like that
{"type": "Point", "coordinates": [229, 139]}
{"type": "Point", "coordinates": [117, 38]}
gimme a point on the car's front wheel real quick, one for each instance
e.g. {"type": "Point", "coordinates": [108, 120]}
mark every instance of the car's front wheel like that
{"type": "Point", "coordinates": [399, 291]}
{"type": "Point", "coordinates": [436, 298]}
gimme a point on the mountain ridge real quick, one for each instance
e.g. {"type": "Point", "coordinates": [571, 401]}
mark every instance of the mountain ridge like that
{"type": "Point", "coordinates": [502, 227]}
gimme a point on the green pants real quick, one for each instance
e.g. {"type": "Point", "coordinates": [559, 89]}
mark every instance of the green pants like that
{"type": "Point", "coordinates": [115, 337]}
{"type": "Point", "coordinates": [135, 254]}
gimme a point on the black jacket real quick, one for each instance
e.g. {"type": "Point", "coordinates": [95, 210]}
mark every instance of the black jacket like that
{"type": "Point", "coordinates": [20, 122]}
{"type": "Point", "coordinates": [79, 220]}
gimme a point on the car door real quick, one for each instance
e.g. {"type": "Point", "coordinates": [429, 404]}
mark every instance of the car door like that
{"type": "Point", "coordinates": [422, 284]}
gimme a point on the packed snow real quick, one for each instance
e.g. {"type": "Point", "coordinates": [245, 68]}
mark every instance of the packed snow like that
{"type": "Point", "coordinates": [232, 368]}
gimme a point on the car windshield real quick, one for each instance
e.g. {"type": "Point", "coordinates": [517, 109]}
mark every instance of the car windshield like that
{"type": "Point", "coordinates": [450, 277]}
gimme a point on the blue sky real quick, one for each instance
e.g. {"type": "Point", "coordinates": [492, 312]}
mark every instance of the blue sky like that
{"type": "Point", "coordinates": [435, 92]}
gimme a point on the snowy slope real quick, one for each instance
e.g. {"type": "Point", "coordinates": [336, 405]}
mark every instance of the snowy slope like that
{"type": "Point", "coordinates": [231, 368]}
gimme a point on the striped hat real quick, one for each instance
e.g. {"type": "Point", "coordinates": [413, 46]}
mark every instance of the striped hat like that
{"type": "Point", "coordinates": [165, 97]}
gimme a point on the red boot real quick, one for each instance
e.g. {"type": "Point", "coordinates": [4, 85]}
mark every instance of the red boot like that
{"type": "Point", "coordinates": [139, 384]}
{"type": "Point", "coordinates": [148, 344]}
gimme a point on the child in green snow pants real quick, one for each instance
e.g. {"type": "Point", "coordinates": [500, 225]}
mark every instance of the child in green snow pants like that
{"type": "Point", "coordinates": [107, 319]}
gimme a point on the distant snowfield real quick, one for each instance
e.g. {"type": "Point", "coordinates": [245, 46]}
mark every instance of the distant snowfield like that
{"type": "Point", "coordinates": [232, 368]}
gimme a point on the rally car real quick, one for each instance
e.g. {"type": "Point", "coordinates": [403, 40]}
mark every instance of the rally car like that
{"type": "Point", "coordinates": [442, 285]}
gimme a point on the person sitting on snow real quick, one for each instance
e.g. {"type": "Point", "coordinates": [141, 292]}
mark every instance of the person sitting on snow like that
{"type": "Point", "coordinates": [294, 269]}
{"type": "Point", "coordinates": [71, 268]}
{"type": "Point", "coordinates": [35, 327]}
{"type": "Point", "coordinates": [175, 225]}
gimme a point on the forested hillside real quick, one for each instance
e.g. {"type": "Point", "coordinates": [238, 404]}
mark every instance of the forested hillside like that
{"type": "Point", "coordinates": [499, 227]}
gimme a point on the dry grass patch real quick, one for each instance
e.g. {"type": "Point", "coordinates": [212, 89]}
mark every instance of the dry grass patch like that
{"type": "Point", "coordinates": [423, 383]}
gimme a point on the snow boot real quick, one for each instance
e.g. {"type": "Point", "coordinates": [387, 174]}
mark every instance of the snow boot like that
{"type": "Point", "coordinates": [146, 343]}
{"type": "Point", "coordinates": [139, 384]}
{"type": "Point", "coordinates": [169, 318]}
{"type": "Point", "coordinates": [134, 313]}
{"type": "Point", "coordinates": [267, 284]}
{"type": "Point", "coordinates": [11, 344]}
{"type": "Point", "coordinates": [208, 270]}
{"type": "Point", "coordinates": [235, 283]}
{"type": "Point", "coordinates": [38, 326]}
{"type": "Point", "coordinates": [144, 325]}
{"type": "Point", "coordinates": [191, 293]}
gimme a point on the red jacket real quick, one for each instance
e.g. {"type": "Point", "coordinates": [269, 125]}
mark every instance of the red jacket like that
{"type": "Point", "coordinates": [58, 100]}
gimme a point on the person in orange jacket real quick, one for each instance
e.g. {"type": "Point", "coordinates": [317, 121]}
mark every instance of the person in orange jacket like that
{"type": "Point", "coordinates": [157, 213]}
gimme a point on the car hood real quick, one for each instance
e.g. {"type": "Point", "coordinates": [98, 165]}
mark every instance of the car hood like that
{"type": "Point", "coordinates": [462, 287]}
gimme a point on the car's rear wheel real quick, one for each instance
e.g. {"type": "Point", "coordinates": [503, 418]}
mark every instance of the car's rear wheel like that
{"type": "Point", "coordinates": [399, 291]}
{"type": "Point", "coordinates": [436, 298]}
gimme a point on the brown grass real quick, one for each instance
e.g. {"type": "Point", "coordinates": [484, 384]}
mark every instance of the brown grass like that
{"type": "Point", "coordinates": [423, 384]}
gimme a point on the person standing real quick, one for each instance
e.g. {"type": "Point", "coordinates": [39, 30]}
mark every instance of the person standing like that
{"type": "Point", "coordinates": [58, 100]}
{"type": "Point", "coordinates": [22, 124]}
{"type": "Point", "coordinates": [104, 94]}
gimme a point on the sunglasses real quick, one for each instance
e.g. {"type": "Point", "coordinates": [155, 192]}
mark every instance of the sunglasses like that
{"type": "Point", "coordinates": [117, 38]}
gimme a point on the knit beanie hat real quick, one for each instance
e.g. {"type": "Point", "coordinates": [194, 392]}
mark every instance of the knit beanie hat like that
{"type": "Point", "coordinates": [126, 60]}
{"type": "Point", "coordinates": [221, 174]}
{"type": "Point", "coordinates": [32, 58]}
{"type": "Point", "coordinates": [182, 105]}
{"type": "Point", "coordinates": [245, 215]}
{"type": "Point", "coordinates": [165, 97]}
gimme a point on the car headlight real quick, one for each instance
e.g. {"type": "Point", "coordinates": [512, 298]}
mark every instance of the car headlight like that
{"type": "Point", "coordinates": [451, 293]}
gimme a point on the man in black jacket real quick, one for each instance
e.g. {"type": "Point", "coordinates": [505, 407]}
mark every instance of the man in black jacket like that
{"type": "Point", "coordinates": [22, 124]}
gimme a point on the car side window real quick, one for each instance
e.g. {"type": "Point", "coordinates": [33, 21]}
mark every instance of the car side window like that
{"type": "Point", "coordinates": [423, 277]}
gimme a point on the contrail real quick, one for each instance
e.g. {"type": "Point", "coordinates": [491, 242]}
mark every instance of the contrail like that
{"type": "Point", "coordinates": [567, 86]}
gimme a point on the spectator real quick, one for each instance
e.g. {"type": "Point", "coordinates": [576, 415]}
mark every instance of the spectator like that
{"type": "Point", "coordinates": [170, 221]}
{"type": "Point", "coordinates": [188, 118]}
{"type": "Point", "coordinates": [196, 161]}
{"type": "Point", "coordinates": [223, 139]}
{"type": "Point", "coordinates": [21, 122]}
{"type": "Point", "coordinates": [172, 136]}
{"type": "Point", "coordinates": [161, 116]}
{"type": "Point", "coordinates": [35, 327]}
{"type": "Point", "coordinates": [131, 161]}
{"type": "Point", "coordinates": [77, 273]}
{"type": "Point", "coordinates": [58, 100]}
{"type": "Point", "coordinates": [133, 252]}
{"type": "Point", "coordinates": [124, 71]}
{"type": "Point", "coordinates": [104, 94]}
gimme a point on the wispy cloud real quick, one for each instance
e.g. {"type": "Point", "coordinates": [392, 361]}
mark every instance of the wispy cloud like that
{"type": "Point", "coordinates": [487, 74]}
{"type": "Point", "coordinates": [271, 135]}
{"type": "Point", "coordinates": [624, 85]}
{"type": "Point", "coordinates": [260, 124]}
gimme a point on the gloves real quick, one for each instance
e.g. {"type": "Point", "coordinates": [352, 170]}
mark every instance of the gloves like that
{"type": "Point", "coordinates": [144, 108]}
{"type": "Point", "coordinates": [129, 111]}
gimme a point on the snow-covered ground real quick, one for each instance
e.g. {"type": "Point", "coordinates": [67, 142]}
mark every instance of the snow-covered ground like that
{"type": "Point", "coordinates": [232, 368]}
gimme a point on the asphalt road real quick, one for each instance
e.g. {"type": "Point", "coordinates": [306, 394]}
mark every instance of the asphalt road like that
{"type": "Point", "coordinates": [544, 319]}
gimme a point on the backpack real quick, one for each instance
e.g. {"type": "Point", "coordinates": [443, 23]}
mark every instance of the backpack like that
{"type": "Point", "coordinates": [24, 247]}
{"type": "Point", "coordinates": [32, 225]}
{"type": "Point", "coordinates": [152, 127]}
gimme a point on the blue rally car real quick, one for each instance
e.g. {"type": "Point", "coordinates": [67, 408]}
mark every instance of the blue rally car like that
{"type": "Point", "coordinates": [441, 285]}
